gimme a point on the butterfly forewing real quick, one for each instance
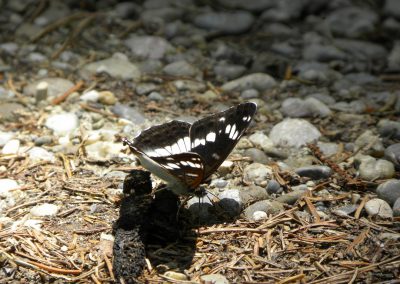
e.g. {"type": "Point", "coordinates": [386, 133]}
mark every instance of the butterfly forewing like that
{"type": "Point", "coordinates": [214, 137]}
{"type": "Point", "coordinates": [164, 140]}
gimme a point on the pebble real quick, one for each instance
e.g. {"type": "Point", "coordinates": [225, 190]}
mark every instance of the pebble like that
{"type": "Point", "coordinates": [225, 168]}
{"type": "Point", "coordinates": [8, 111]}
{"type": "Point", "coordinates": [259, 216]}
{"type": "Point", "coordinates": [258, 81]}
{"type": "Point", "coordinates": [389, 128]}
{"type": "Point", "coordinates": [107, 98]}
{"type": "Point", "coordinates": [389, 191]}
{"type": "Point", "coordinates": [250, 94]}
{"type": "Point", "coordinates": [62, 123]}
{"type": "Point", "coordinates": [256, 155]}
{"type": "Point", "coordinates": [145, 88]}
{"type": "Point", "coordinates": [6, 185]}
{"type": "Point", "coordinates": [200, 208]}
{"type": "Point", "coordinates": [127, 112]}
{"type": "Point", "coordinates": [396, 208]}
{"type": "Point", "coordinates": [291, 197]}
{"type": "Point", "coordinates": [314, 171]}
{"type": "Point", "coordinates": [155, 96]}
{"type": "Point", "coordinates": [181, 68]}
{"type": "Point", "coordinates": [229, 71]}
{"type": "Point", "coordinates": [45, 209]}
{"type": "Point", "coordinates": [328, 148]}
{"type": "Point", "coordinates": [103, 150]}
{"type": "Point", "coordinates": [293, 133]}
{"type": "Point", "coordinates": [176, 275]}
{"type": "Point", "coordinates": [11, 147]}
{"type": "Point", "coordinates": [55, 86]}
{"type": "Point", "coordinates": [213, 279]}
{"type": "Point", "coordinates": [273, 187]}
{"type": "Point", "coordinates": [257, 173]}
{"type": "Point", "coordinates": [5, 137]}
{"type": "Point", "coordinates": [261, 141]}
{"type": "Point", "coordinates": [151, 47]}
{"type": "Point", "coordinates": [225, 22]}
{"type": "Point", "coordinates": [371, 168]}
{"type": "Point", "coordinates": [378, 207]}
{"type": "Point", "coordinates": [392, 153]}
{"type": "Point", "coordinates": [374, 143]}
{"type": "Point", "coordinates": [41, 154]}
{"type": "Point", "coordinates": [392, 8]}
{"type": "Point", "coordinates": [270, 207]}
{"type": "Point", "coordinates": [346, 210]}
{"type": "Point", "coordinates": [41, 91]}
{"type": "Point", "coordinates": [252, 194]}
{"type": "Point", "coordinates": [91, 96]}
{"type": "Point", "coordinates": [219, 183]}
{"type": "Point", "coordinates": [310, 107]}
{"type": "Point", "coordinates": [117, 66]}
{"type": "Point", "coordinates": [230, 201]}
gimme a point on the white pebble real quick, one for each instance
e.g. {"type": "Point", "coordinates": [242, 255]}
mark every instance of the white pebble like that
{"type": "Point", "coordinates": [11, 147]}
{"type": "Point", "coordinates": [259, 215]}
{"type": "Point", "coordinates": [6, 185]}
{"type": "Point", "coordinates": [40, 154]}
{"type": "Point", "coordinates": [91, 96]}
{"type": "Point", "coordinates": [5, 137]}
{"type": "Point", "coordinates": [62, 123]}
{"type": "Point", "coordinates": [45, 209]}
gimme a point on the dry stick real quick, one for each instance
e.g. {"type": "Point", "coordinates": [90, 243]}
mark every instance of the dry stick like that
{"type": "Point", "coordinates": [360, 207]}
{"type": "Point", "coordinates": [55, 269]}
{"type": "Point", "coordinates": [82, 24]}
{"type": "Point", "coordinates": [312, 209]}
{"type": "Point", "coordinates": [292, 278]}
{"type": "Point", "coordinates": [28, 204]}
{"type": "Point", "coordinates": [58, 24]}
{"type": "Point", "coordinates": [87, 107]}
{"type": "Point", "coordinates": [64, 96]}
{"type": "Point", "coordinates": [109, 267]}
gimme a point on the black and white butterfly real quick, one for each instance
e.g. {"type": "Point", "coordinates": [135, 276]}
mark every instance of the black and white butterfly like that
{"type": "Point", "coordinates": [184, 155]}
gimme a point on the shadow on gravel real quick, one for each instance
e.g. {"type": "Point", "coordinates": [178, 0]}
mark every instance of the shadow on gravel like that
{"type": "Point", "coordinates": [148, 227]}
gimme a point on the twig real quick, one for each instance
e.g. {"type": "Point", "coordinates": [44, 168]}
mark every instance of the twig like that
{"type": "Point", "coordinates": [64, 96]}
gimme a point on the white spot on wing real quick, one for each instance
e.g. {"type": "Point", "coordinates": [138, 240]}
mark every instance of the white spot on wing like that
{"type": "Point", "coordinates": [184, 163]}
{"type": "Point", "coordinates": [233, 130]}
{"type": "Point", "coordinates": [228, 129]}
{"type": "Point", "coordinates": [235, 135]}
{"type": "Point", "coordinates": [187, 143]}
{"type": "Point", "coordinates": [203, 141]}
{"type": "Point", "coordinates": [222, 119]}
{"type": "Point", "coordinates": [196, 143]}
{"type": "Point", "coordinates": [211, 137]}
{"type": "Point", "coordinates": [162, 152]}
{"type": "Point", "coordinates": [175, 149]}
{"type": "Point", "coordinates": [172, 165]}
{"type": "Point", "coordinates": [182, 145]}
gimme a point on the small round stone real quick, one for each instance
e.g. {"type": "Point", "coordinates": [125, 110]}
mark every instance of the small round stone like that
{"type": "Point", "coordinates": [378, 207]}
{"type": "Point", "coordinates": [45, 209]}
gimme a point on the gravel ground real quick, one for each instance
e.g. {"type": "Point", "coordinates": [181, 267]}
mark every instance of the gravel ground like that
{"type": "Point", "coordinates": [310, 194]}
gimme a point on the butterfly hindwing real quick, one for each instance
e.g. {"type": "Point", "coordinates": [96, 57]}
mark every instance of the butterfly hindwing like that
{"type": "Point", "coordinates": [188, 167]}
{"type": "Point", "coordinates": [215, 136]}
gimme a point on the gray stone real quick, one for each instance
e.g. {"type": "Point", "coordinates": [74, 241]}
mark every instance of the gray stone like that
{"type": "Point", "coordinates": [250, 5]}
{"type": "Point", "coordinates": [346, 210]}
{"type": "Point", "coordinates": [362, 50]}
{"type": "Point", "coordinates": [259, 81]}
{"type": "Point", "coordinates": [145, 88]}
{"type": "Point", "coordinates": [371, 168]}
{"type": "Point", "coordinates": [392, 8]}
{"type": "Point", "coordinates": [314, 172]}
{"type": "Point", "coordinates": [229, 71]}
{"type": "Point", "coordinates": [117, 66]}
{"type": "Point", "coordinates": [250, 94]}
{"type": "Point", "coordinates": [257, 173]}
{"type": "Point", "coordinates": [181, 68]}
{"type": "Point", "coordinates": [56, 86]}
{"type": "Point", "coordinates": [270, 207]}
{"type": "Point", "coordinates": [261, 141]}
{"type": "Point", "coordinates": [374, 143]}
{"type": "Point", "coordinates": [40, 154]}
{"type": "Point", "coordinates": [129, 113]}
{"type": "Point", "coordinates": [155, 96]}
{"type": "Point", "coordinates": [225, 22]}
{"type": "Point", "coordinates": [396, 208]}
{"type": "Point", "coordinates": [256, 155]}
{"type": "Point", "coordinates": [394, 58]}
{"type": "Point", "coordinates": [378, 207]}
{"type": "Point", "coordinates": [273, 187]}
{"type": "Point", "coordinates": [353, 107]}
{"type": "Point", "coordinates": [252, 194]}
{"type": "Point", "coordinates": [294, 133]}
{"type": "Point", "coordinates": [328, 148]}
{"type": "Point", "coordinates": [392, 153]}
{"type": "Point", "coordinates": [323, 53]}
{"type": "Point", "coordinates": [291, 197]}
{"type": "Point", "coordinates": [151, 47]}
{"type": "Point", "coordinates": [353, 22]}
{"type": "Point", "coordinates": [389, 128]}
{"type": "Point", "coordinates": [389, 191]}
{"type": "Point", "coordinates": [310, 107]}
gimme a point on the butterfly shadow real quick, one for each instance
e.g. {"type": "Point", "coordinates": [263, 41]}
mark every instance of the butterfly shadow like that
{"type": "Point", "coordinates": [158, 227]}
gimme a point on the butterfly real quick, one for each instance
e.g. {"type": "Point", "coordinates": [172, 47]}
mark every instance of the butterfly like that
{"type": "Point", "coordinates": [184, 155]}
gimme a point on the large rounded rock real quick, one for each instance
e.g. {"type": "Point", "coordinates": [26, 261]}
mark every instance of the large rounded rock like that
{"type": "Point", "coordinates": [389, 191]}
{"type": "Point", "coordinates": [294, 133]}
